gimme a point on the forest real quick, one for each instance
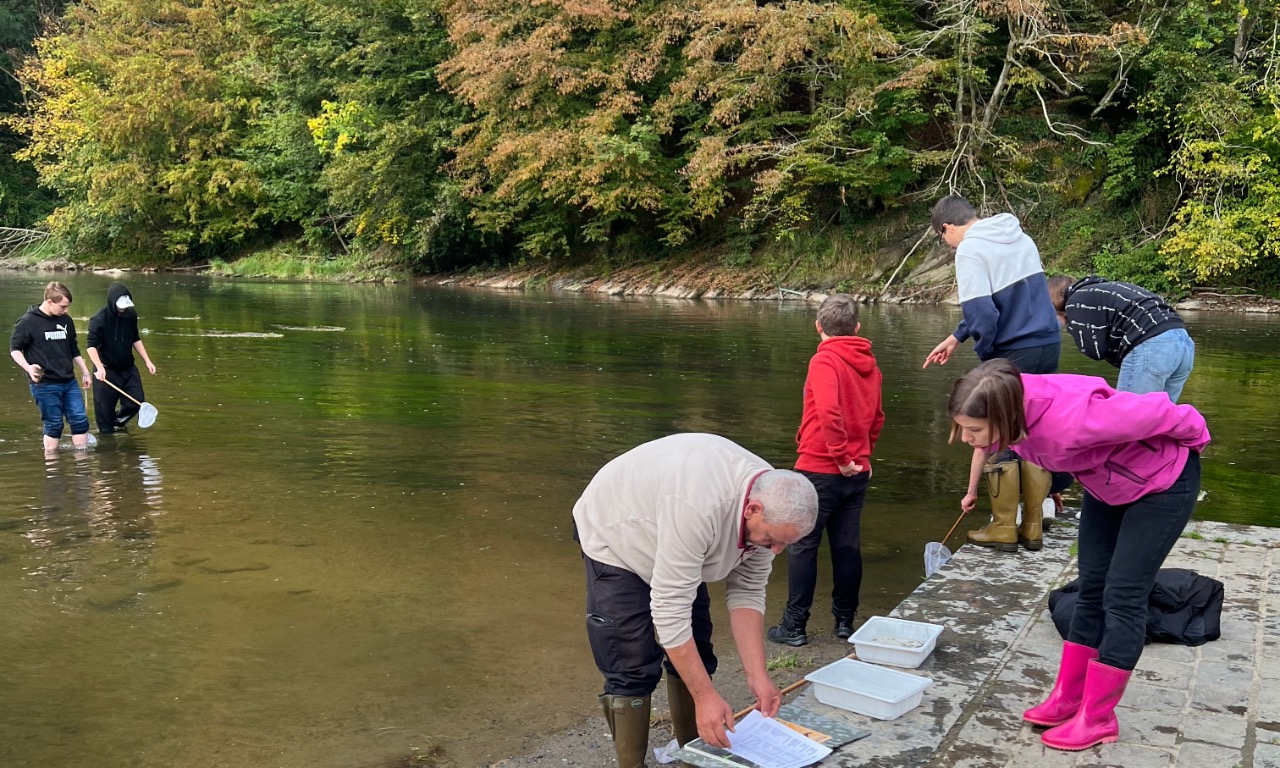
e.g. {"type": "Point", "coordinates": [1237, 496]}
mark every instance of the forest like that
{"type": "Point", "coordinates": [1139, 139]}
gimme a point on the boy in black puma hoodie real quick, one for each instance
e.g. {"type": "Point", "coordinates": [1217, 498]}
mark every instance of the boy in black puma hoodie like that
{"type": "Point", "coordinates": [44, 345]}
{"type": "Point", "coordinates": [113, 335]}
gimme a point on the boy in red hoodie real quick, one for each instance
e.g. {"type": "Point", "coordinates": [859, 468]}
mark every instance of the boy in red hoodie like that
{"type": "Point", "coordinates": [842, 419]}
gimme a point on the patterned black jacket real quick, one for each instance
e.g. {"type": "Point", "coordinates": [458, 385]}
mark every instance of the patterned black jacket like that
{"type": "Point", "coordinates": [1107, 318]}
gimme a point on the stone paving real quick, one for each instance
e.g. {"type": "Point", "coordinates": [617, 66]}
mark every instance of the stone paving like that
{"type": "Point", "coordinates": [1215, 706]}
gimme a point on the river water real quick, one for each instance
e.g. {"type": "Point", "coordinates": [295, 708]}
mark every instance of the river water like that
{"type": "Point", "coordinates": [347, 534]}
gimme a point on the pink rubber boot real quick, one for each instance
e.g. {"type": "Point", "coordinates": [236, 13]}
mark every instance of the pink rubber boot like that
{"type": "Point", "coordinates": [1064, 700]}
{"type": "Point", "coordinates": [1095, 722]}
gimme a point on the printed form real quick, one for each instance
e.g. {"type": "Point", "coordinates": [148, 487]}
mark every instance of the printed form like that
{"type": "Point", "coordinates": [771, 744]}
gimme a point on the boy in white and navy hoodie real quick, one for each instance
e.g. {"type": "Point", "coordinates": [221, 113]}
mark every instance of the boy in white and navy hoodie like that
{"type": "Point", "coordinates": [1007, 312]}
{"type": "Point", "coordinates": [1002, 287]}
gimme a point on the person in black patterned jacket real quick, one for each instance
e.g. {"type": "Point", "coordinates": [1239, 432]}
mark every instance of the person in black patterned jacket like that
{"type": "Point", "coordinates": [1128, 326]}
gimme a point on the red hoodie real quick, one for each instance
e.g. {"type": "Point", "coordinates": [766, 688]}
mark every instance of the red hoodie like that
{"type": "Point", "coordinates": [842, 415]}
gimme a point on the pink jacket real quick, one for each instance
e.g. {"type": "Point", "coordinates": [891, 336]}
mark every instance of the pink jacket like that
{"type": "Point", "coordinates": [1119, 445]}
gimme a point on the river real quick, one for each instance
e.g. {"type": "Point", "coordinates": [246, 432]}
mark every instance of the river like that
{"type": "Point", "coordinates": [348, 533]}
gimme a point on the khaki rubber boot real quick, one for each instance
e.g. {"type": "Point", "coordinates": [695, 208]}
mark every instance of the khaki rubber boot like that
{"type": "Point", "coordinates": [628, 718]}
{"type": "Point", "coordinates": [1003, 486]}
{"type": "Point", "coordinates": [1035, 489]}
{"type": "Point", "coordinates": [684, 714]}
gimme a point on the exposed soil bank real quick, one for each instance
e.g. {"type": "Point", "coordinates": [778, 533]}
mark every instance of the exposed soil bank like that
{"type": "Point", "coordinates": [932, 282]}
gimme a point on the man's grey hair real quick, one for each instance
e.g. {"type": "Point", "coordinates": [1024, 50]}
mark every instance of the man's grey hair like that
{"type": "Point", "coordinates": [788, 498]}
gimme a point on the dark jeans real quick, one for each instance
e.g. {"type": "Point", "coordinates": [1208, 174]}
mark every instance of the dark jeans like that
{"type": "Point", "coordinates": [840, 501]}
{"type": "Point", "coordinates": [620, 630]}
{"type": "Point", "coordinates": [111, 410]}
{"type": "Point", "coordinates": [1121, 548]}
{"type": "Point", "coordinates": [1034, 359]}
{"type": "Point", "coordinates": [59, 400]}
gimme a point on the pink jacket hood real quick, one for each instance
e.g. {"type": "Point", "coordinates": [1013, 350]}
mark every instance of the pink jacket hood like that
{"type": "Point", "coordinates": [1119, 445]}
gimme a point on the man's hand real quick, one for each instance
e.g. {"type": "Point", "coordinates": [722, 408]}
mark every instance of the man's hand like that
{"type": "Point", "coordinates": [100, 374]}
{"type": "Point", "coordinates": [969, 501]}
{"type": "Point", "coordinates": [768, 697]}
{"type": "Point", "coordinates": [714, 716]}
{"type": "Point", "coordinates": [942, 353]}
{"type": "Point", "coordinates": [85, 380]}
{"type": "Point", "coordinates": [151, 368]}
{"type": "Point", "coordinates": [851, 469]}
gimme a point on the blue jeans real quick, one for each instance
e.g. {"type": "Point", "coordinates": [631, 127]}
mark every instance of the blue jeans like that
{"type": "Point", "coordinates": [58, 400]}
{"type": "Point", "coordinates": [1121, 549]}
{"type": "Point", "coordinates": [1159, 364]}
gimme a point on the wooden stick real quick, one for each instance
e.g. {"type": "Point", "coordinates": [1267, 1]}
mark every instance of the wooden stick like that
{"type": "Point", "coordinates": [121, 391]}
{"type": "Point", "coordinates": [953, 527]}
{"type": "Point", "coordinates": [797, 684]}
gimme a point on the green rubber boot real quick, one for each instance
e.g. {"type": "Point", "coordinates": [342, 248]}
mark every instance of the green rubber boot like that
{"type": "Point", "coordinates": [1004, 485]}
{"type": "Point", "coordinates": [628, 718]}
{"type": "Point", "coordinates": [1035, 489]}
{"type": "Point", "coordinates": [684, 714]}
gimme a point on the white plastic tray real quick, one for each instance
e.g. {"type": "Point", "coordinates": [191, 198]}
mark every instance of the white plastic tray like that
{"type": "Point", "coordinates": [884, 694]}
{"type": "Point", "coordinates": [897, 642]}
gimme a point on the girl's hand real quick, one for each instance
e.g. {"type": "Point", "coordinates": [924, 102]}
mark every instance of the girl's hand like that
{"type": "Point", "coordinates": [969, 501]}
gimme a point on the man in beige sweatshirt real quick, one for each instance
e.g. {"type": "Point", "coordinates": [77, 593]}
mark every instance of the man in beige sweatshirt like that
{"type": "Point", "coordinates": [656, 525]}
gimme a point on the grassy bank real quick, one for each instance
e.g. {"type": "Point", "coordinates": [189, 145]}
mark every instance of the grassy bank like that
{"type": "Point", "coordinates": [288, 261]}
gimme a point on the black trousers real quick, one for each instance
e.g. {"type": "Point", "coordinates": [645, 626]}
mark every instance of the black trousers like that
{"type": "Point", "coordinates": [840, 502]}
{"type": "Point", "coordinates": [1121, 548]}
{"type": "Point", "coordinates": [112, 410]}
{"type": "Point", "coordinates": [620, 630]}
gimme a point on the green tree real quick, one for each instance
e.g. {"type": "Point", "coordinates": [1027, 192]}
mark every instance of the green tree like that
{"type": "Point", "coordinates": [596, 116]}
{"type": "Point", "coordinates": [22, 201]}
{"type": "Point", "coordinates": [134, 128]}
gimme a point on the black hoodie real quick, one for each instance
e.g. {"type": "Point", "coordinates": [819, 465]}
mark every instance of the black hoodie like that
{"type": "Point", "coordinates": [113, 332]}
{"type": "Point", "coordinates": [49, 342]}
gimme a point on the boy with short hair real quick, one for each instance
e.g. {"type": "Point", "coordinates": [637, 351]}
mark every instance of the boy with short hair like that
{"type": "Point", "coordinates": [44, 345]}
{"type": "Point", "coordinates": [841, 421]}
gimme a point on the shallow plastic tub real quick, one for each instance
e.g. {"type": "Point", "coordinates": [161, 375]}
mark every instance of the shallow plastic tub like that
{"type": "Point", "coordinates": [884, 694]}
{"type": "Point", "coordinates": [897, 642]}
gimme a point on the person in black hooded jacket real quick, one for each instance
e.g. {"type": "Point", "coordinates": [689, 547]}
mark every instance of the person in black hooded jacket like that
{"type": "Point", "coordinates": [113, 336]}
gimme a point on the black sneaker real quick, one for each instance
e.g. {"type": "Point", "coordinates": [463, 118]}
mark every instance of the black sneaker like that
{"type": "Point", "coordinates": [786, 636]}
{"type": "Point", "coordinates": [844, 628]}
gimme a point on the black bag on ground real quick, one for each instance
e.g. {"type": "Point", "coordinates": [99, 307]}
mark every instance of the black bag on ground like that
{"type": "Point", "coordinates": [1184, 608]}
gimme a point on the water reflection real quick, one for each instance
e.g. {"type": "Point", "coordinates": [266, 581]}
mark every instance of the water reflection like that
{"type": "Point", "coordinates": [355, 535]}
{"type": "Point", "coordinates": [94, 526]}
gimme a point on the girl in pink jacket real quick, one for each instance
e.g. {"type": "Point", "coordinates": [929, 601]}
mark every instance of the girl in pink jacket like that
{"type": "Point", "coordinates": [1138, 458]}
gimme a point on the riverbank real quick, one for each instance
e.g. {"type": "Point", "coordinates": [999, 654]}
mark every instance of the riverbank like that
{"type": "Point", "coordinates": [900, 273]}
{"type": "Point", "coordinates": [1186, 708]}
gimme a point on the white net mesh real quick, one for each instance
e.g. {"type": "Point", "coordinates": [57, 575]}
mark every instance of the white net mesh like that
{"type": "Point", "coordinates": [936, 555]}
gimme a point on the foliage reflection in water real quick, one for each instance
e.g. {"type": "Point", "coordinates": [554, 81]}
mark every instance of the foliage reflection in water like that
{"type": "Point", "coordinates": [338, 545]}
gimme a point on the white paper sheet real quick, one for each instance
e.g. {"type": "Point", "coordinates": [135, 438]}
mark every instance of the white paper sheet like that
{"type": "Point", "coordinates": [771, 744]}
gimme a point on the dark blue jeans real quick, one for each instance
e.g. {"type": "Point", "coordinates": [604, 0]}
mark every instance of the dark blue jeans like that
{"type": "Point", "coordinates": [1034, 359]}
{"type": "Point", "coordinates": [840, 501]}
{"type": "Point", "coordinates": [620, 630]}
{"type": "Point", "coordinates": [59, 400]}
{"type": "Point", "coordinates": [1121, 548]}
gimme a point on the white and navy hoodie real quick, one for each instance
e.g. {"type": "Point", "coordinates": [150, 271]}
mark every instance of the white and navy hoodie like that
{"type": "Point", "coordinates": [1003, 290]}
{"type": "Point", "coordinates": [1107, 318]}
{"type": "Point", "coordinates": [49, 342]}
